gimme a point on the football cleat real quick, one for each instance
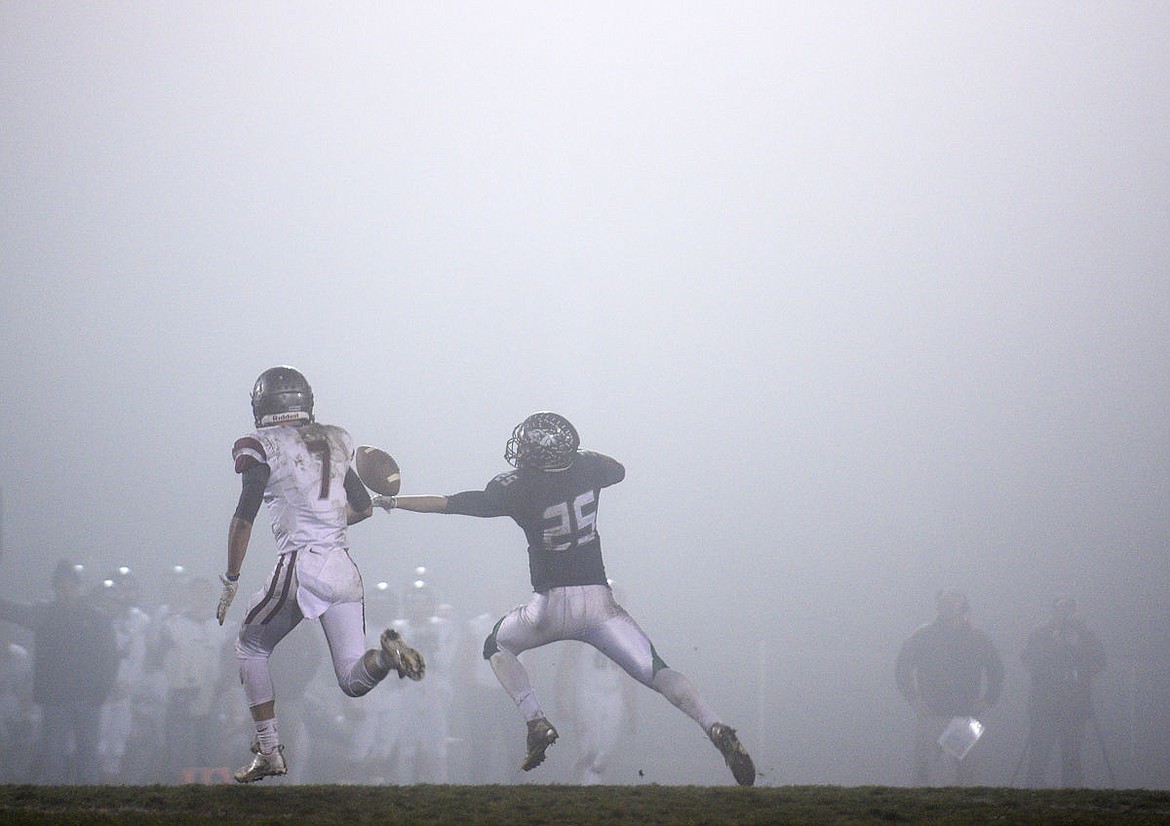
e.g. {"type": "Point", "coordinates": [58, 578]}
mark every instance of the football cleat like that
{"type": "Point", "coordinates": [736, 757]}
{"type": "Point", "coordinates": [399, 656]}
{"type": "Point", "coordinates": [541, 735]}
{"type": "Point", "coordinates": [263, 765]}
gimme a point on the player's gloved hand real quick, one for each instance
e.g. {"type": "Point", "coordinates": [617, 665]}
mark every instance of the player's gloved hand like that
{"type": "Point", "coordinates": [387, 503]}
{"type": "Point", "coordinates": [230, 586]}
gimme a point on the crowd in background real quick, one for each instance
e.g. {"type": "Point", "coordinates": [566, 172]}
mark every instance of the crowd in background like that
{"type": "Point", "coordinates": [171, 709]}
{"type": "Point", "coordinates": [110, 682]}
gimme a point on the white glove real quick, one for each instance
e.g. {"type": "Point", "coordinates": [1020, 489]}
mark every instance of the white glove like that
{"type": "Point", "coordinates": [230, 586]}
{"type": "Point", "coordinates": [387, 503]}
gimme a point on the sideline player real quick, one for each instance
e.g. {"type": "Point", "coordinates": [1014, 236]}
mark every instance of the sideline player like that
{"type": "Point", "coordinates": [303, 470]}
{"type": "Point", "coordinates": [552, 495]}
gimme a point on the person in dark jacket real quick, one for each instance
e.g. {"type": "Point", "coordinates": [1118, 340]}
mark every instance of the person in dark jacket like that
{"type": "Point", "coordinates": [1062, 656]}
{"type": "Point", "coordinates": [947, 669]}
{"type": "Point", "coordinates": [75, 660]}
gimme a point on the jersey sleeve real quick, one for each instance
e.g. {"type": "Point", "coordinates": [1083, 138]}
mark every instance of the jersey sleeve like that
{"type": "Point", "coordinates": [609, 470]}
{"type": "Point", "coordinates": [355, 491]}
{"type": "Point", "coordinates": [248, 452]}
{"type": "Point", "coordinates": [473, 503]}
{"type": "Point", "coordinates": [491, 501]}
{"type": "Point", "coordinates": [254, 479]}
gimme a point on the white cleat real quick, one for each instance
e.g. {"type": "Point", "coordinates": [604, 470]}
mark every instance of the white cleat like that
{"type": "Point", "coordinates": [263, 765]}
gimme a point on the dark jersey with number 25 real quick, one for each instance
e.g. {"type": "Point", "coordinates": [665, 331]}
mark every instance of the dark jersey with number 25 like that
{"type": "Point", "coordinates": [557, 511]}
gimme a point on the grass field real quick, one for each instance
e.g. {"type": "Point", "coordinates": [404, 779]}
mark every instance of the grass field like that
{"type": "Point", "coordinates": [518, 805]}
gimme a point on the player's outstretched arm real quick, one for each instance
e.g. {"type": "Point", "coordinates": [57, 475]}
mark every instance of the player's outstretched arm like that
{"type": "Point", "coordinates": [419, 503]}
{"type": "Point", "coordinates": [464, 503]}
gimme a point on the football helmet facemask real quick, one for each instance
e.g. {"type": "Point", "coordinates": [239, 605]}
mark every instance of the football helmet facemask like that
{"type": "Point", "coordinates": [281, 395]}
{"type": "Point", "coordinates": [544, 441]}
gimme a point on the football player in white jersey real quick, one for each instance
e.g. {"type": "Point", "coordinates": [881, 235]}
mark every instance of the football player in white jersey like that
{"type": "Point", "coordinates": [303, 471]}
{"type": "Point", "coordinates": [552, 495]}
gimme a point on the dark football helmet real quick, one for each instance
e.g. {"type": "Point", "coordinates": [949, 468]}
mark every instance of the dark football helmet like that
{"type": "Point", "coordinates": [544, 441]}
{"type": "Point", "coordinates": [281, 395]}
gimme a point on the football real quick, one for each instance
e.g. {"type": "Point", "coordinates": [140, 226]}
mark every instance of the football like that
{"type": "Point", "coordinates": [377, 470]}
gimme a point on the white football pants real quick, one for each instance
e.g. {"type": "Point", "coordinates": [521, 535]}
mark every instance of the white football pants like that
{"type": "Point", "coordinates": [590, 614]}
{"type": "Point", "coordinates": [274, 611]}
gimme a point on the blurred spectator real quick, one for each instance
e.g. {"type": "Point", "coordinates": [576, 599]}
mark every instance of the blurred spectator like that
{"type": "Point", "coordinates": [600, 702]}
{"type": "Point", "coordinates": [295, 664]}
{"type": "Point", "coordinates": [19, 715]}
{"type": "Point", "coordinates": [117, 597]}
{"type": "Point", "coordinates": [947, 669]}
{"type": "Point", "coordinates": [420, 748]}
{"type": "Point", "coordinates": [146, 750]}
{"type": "Point", "coordinates": [487, 711]}
{"type": "Point", "coordinates": [75, 661]}
{"type": "Point", "coordinates": [372, 725]}
{"type": "Point", "coordinates": [193, 651]}
{"type": "Point", "coordinates": [599, 699]}
{"type": "Point", "coordinates": [1062, 656]}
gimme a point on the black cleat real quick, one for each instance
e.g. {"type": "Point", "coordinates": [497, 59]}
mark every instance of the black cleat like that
{"type": "Point", "coordinates": [737, 758]}
{"type": "Point", "coordinates": [541, 735]}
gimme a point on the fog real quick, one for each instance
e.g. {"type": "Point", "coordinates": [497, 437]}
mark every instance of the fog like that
{"type": "Point", "coordinates": [869, 299]}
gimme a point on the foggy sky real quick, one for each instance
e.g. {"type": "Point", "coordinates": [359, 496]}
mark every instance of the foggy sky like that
{"type": "Point", "coordinates": [869, 298]}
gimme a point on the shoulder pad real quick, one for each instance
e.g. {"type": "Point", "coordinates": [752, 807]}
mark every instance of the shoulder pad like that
{"type": "Point", "coordinates": [506, 478]}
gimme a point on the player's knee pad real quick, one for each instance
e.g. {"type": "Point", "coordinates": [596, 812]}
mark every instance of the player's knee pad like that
{"type": "Point", "coordinates": [248, 648]}
{"type": "Point", "coordinates": [356, 680]}
{"type": "Point", "coordinates": [647, 675]}
{"type": "Point", "coordinates": [490, 645]}
{"type": "Point", "coordinates": [656, 662]}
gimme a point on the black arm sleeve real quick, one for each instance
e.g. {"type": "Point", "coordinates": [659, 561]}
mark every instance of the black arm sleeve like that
{"type": "Point", "coordinates": [359, 497]}
{"type": "Point", "coordinates": [473, 503]}
{"type": "Point", "coordinates": [254, 481]}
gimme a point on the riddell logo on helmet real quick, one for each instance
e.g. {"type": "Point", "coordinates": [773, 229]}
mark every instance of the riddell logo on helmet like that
{"type": "Point", "coordinates": [289, 416]}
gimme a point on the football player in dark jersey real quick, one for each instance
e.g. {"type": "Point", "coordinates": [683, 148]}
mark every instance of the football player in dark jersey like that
{"type": "Point", "coordinates": [552, 495]}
